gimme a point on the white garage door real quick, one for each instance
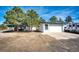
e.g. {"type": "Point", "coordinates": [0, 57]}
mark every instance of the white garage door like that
{"type": "Point", "coordinates": [55, 28]}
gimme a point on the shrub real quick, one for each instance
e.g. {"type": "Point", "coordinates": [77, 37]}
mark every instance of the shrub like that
{"type": "Point", "coordinates": [3, 27]}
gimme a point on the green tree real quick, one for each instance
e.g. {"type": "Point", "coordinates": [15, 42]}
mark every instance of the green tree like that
{"type": "Point", "coordinates": [15, 16]}
{"type": "Point", "coordinates": [53, 19]}
{"type": "Point", "coordinates": [33, 18]}
{"type": "Point", "coordinates": [3, 27]}
{"type": "Point", "coordinates": [10, 18]}
{"type": "Point", "coordinates": [68, 19]}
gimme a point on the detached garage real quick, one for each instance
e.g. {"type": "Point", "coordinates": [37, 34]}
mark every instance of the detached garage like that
{"type": "Point", "coordinates": [49, 27]}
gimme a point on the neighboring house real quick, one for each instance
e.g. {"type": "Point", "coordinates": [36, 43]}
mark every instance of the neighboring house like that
{"type": "Point", "coordinates": [51, 27]}
{"type": "Point", "coordinates": [10, 26]}
{"type": "Point", "coordinates": [20, 27]}
{"type": "Point", "coordinates": [23, 27]}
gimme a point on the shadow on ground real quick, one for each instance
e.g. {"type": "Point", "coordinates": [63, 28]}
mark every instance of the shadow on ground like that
{"type": "Point", "coordinates": [69, 45]}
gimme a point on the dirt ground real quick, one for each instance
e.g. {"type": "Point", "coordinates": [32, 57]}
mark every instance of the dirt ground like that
{"type": "Point", "coordinates": [35, 42]}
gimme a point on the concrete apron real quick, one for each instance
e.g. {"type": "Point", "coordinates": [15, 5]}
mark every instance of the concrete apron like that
{"type": "Point", "coordinates": [62, 35]}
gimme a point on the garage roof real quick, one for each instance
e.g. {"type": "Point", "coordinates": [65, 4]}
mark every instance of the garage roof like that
{"type": "Point", "coordinates": [51, 23]}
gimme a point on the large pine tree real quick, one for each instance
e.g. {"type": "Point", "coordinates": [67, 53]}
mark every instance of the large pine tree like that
{"type": "Point", "coordinates": [14, 16]}
{"type": "Point", "coordinates": [33, 18]}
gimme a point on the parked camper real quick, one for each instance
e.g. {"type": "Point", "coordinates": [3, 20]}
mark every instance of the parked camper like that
{"type": "Point", "coordinates": [71, 27]}
{"type": "Point", "coordinates": [77, 27]}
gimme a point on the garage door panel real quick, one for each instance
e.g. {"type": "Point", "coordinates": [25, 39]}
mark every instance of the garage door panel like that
{"type": "Point", "coordinates": [55, 28]}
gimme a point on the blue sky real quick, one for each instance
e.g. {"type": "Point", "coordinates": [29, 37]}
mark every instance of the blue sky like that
{"type": "Point", "coordinates": [47, 11]}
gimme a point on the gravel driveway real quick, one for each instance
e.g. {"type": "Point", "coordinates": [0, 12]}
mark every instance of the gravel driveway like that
{"type": "Point", "coordinates": [37, 42]}
{"type": "Point", "coordinates": [28, 41]}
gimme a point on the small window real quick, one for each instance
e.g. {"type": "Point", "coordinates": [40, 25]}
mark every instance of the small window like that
{"type": "Point", "coordinates": [65, 27]}
{"type": "Point", "coordinates": [46, 26]}
{"type": "Point", "coordinates": [69, 25]}
{"type": "Point", "coordinates": [73, 25]}
{"type": "Point", "coordinates": [77, 25]}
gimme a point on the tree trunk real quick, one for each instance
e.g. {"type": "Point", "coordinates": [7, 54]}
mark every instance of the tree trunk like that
{"type": "Point", "coordinates": [31, 28]}
{"type": "Point", "coordinates": [16, 28]}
